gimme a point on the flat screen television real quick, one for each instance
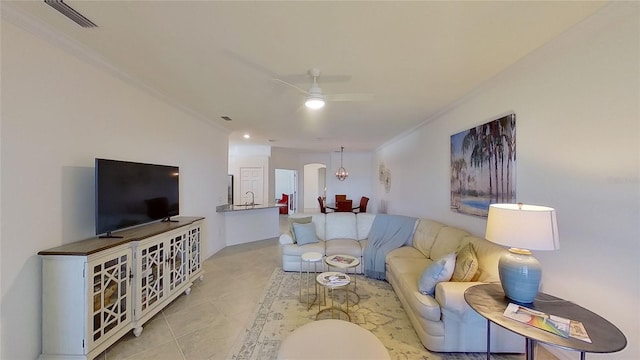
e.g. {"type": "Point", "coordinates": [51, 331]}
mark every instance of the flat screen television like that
{"type": "Point", "coordinates": [130, 194]}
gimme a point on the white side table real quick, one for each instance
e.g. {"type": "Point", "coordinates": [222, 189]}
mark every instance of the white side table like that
{"type": "Point", "coordinates": [334, 280]}
{"type": "Point", "coordinates": [307, 259]}
{"type": "Point", "coordinates": [344, 263]}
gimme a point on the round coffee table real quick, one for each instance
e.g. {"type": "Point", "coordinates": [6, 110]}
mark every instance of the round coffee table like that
{"type": "Point", "coordinates": [333, 280]}
{"type": "Point", "coordinates": [332, 339]}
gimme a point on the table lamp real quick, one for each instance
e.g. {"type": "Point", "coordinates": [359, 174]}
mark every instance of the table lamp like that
{"type": "Point", "coordinates": [522, 228]}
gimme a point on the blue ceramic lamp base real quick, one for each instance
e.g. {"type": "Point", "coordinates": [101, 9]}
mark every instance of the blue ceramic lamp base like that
{"type": "Point", "coordinates": [520, 275]}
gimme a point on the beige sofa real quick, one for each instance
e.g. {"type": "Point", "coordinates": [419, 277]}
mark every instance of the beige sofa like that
{"type": "Point", "coordinates": [338, 233]}
{"type": "Point", "coordinates": [444, 322]}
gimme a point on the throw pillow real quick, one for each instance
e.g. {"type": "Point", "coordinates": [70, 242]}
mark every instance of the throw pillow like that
{"type": "Point", "coordinates": [466, 264]}
{"type": "Point", "coordinates": [304, 220]}
{"type": "Point", "coordinates": [439, 270]}
{"type": "Point", "coordinates": [305, 233]}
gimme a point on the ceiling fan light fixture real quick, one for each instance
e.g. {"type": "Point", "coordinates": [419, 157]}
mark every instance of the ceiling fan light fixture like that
{"type": "Point", "coordinates": [314, 102]}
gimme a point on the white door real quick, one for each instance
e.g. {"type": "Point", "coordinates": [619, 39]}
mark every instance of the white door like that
{"type": "Point", "coordinates": [251, 179]}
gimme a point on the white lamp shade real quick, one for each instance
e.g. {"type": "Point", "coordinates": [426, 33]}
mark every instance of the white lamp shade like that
{"type": "Point", "coordinates": [522, 226]}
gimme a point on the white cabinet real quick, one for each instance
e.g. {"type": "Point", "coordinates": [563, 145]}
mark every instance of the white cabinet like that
{"type": "Point", "coordinates": [97, 290]}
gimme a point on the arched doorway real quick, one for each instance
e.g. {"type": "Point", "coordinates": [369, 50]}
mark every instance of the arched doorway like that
{"type": "Point", "coordinates": [315, 184]}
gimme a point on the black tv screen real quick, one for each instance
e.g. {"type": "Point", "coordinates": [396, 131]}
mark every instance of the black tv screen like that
{"type": "Point", "coordinates": [130, 194]}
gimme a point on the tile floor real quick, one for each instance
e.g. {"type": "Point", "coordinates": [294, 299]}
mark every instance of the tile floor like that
{"type": "Point", "coordinates": [205, 324]}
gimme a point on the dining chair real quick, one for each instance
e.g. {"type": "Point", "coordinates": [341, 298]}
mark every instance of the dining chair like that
{"type": "Point", "coordinates": [363, 205]}
{"type": "Point", "coordinates": [322, 208]}
{"type": "Point", "coordinates": [344, 206]}
{"type": "Point", "coordinates": [341, 198]}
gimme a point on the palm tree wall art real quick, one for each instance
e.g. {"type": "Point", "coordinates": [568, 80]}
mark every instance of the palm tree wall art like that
{"type": "Point", "coordinates": [483, 163]}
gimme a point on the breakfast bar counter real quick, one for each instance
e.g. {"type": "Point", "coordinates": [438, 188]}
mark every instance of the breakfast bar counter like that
{"type": "Point", "coordinates": [248, 223]}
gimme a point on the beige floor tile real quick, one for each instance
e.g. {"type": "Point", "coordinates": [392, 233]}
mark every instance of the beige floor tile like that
{"type": "Point", "coordinates": [195, 318]}
{"type": "Point", "coordinates": [155, 332]}
{"type": "Point", "coordinates": [166, 351]}
{"type": "Point", "coordinates": [210, 342]}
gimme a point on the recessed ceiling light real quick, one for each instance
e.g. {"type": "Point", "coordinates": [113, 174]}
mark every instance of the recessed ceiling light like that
{"type": "Point", "coordinates": [246, 136]}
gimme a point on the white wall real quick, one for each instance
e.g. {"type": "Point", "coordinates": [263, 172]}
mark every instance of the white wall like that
{"type": "Point", "coordinates": [311, 184]}
{"type": "Point", "coordinates": [576, 102]}
{"type": "Point", "coordinates": [58, 114]}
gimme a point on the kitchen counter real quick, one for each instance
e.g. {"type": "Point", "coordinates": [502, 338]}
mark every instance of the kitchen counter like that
{"type": "Point", "coordinates": [248, 223]}
{"type": "Point", "coordinates": [241, 207]}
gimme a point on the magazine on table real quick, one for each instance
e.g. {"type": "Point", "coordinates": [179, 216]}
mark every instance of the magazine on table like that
{"type": "Point", "coordinates": [551, 323]}
{"type": "Point", "coordinates": [336, 279]}
{"type": "Point", "coordinates": [342, 260]}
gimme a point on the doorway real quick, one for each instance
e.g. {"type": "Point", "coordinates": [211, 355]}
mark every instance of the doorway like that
{"type": "Point", "coordinates": [286, 182]}
{"type": "Point", "coordinates": [315, 185]}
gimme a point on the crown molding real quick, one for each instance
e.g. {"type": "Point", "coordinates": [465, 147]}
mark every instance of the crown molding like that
{"type": "Point", "coordinates": [24, 21]}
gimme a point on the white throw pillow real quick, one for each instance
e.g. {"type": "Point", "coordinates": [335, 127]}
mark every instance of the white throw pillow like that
{"type": "Point", "coordinates": [439, 270]}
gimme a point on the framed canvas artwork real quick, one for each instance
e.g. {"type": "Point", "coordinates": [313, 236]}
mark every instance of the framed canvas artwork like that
{"type": "Point", "coordinates": [483, 164]}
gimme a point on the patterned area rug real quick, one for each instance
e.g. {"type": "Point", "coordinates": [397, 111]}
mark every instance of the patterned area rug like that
{"type": "Point", "coordinates": [379, 311]}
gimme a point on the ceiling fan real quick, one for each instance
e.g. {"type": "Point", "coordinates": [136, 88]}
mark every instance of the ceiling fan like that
{"type": "Point", "coordinates": [315, 99]}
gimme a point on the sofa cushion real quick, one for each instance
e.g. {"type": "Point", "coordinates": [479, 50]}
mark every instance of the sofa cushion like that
{"type": "Point", "coordinates": [364, 222]}
{"type": "Point", "coordinates": [447, 241]}
{"type": "Point", "coordinates": [423, 306]}
{"type": "Point", "coordinates": [343, 247]}
{"type": "Point", "coordinates": [425, 235]}
{"type": "Point", "coordinates": [305, 233]}
{"type": "Point", "coordinates": [407, 252]}
{"type": "Point", "coordinates": [466, 264]}
{"type": "Point", "coordinates": [439, 270]}
{"type": "Point", "coordinates": [297, 220]}
{"type": "Point", "coordinates": [488, 255]}
{"type": "Point", "coordinates": [341, 225]}
{"type": "Point", "coordinates": [298, 250]}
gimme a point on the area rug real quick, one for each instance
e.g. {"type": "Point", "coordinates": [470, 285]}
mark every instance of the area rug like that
{"type": "Point", "coordinates": [280, 311]}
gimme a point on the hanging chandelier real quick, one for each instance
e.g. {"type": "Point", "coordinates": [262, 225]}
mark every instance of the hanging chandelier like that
{"type": "Point", "coordinates": [341, 173]}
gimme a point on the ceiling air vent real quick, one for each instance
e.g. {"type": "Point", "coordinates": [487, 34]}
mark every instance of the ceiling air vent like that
{"type": "Point", "coordinates": [69, 12]}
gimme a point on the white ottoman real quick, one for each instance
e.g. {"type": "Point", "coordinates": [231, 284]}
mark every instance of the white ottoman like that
{"type": "Point", "coordinates": [332, 339]}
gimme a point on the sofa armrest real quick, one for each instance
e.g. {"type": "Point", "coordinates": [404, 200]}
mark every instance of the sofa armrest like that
{"type": "Point", "coordinates": [286, 238]}
{"type": "Point", "coordinates": [450, 296]}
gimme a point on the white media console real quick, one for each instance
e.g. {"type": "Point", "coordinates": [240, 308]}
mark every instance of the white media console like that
{"type": "Point", "coordinates": [96, 290]}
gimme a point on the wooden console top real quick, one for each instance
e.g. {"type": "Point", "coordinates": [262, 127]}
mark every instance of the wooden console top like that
{"type": "Point", "coordinates": [96, 244]}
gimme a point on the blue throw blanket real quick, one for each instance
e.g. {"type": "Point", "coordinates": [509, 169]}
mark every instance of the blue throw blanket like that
{"type": "Point", "coordinates": [387, 233]}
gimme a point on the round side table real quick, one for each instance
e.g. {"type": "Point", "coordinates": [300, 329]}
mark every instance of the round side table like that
{"type": "Point", "coordinates": [307, 259]}
{"type": "Point", "coordinates": [344, 263]}
{"type": "Point", "coordinates": [333, 280]}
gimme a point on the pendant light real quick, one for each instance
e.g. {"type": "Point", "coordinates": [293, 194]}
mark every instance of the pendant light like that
{"type": "Point", "coordinates": [341, 173]}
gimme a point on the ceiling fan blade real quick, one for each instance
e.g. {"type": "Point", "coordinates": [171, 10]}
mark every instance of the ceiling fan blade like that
{"type": "Point", "coordinates": [350, 97]}
{"type": "Point", "coordinates": [293, 86]}
{"type": "Point", "coordinates": [304, 78]}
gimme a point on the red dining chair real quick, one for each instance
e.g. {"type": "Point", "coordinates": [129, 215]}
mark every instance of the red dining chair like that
{"type": "Point", "coordinates": [363, 205]}
{"type": "Point", "coordinates": [344, 206]}
{"type": "Point", "coordinates": [284, 200]}
{"type": "Point", "coordinates": [322, 208]}
{"type": "Point", "coordinates": [341, 198]}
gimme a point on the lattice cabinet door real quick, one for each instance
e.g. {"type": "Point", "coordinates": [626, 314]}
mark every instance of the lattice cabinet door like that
{"type": "Point", "coordinates": [110, 295]}
{"type": "Point", "coordinates": [178, 260]}
{"type": "Point", "coordinates": [151, 272]}
{"type": "Point", "coordinates": [195, 251]}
